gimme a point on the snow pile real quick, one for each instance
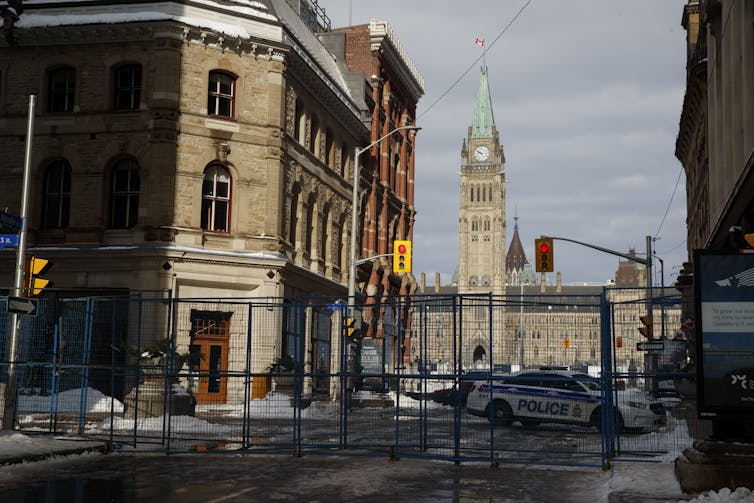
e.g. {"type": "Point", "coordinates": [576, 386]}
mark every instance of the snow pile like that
{"type": "Point", "coordinates": [741, 494]}
{"type": "Point", "coordinates": [69, 402]}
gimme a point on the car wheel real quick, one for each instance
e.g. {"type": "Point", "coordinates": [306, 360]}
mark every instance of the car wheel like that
{"type": "Point", "coordinates": [596, 420]}
{"type": "Point", "coordinates": [501, 413]}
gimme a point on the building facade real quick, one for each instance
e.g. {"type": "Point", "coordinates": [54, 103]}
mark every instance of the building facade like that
{"type": "Point", "coordinates": [199, 151]}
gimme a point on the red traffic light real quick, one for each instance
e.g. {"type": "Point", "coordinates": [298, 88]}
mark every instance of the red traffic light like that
{"type": "Point", "coordinates": [544, 248]}
{"type": "Point", "coordinates": [401, 248]}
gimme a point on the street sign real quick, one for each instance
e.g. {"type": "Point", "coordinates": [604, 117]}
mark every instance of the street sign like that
{"type": "Point", "coordinates": [22, 305]}
{"type": "Point", "coordinates": [11, 223]}
{"type": "Point", "coordinates": [650, 346]}
{"type": "Point", "coordinates": [8, 240]}
{"type": "Point", "coordinates": [336, 306]}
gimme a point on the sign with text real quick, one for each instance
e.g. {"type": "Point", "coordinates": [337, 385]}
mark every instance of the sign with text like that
{"type": "Point", "coordinates": [8, 240]}
{"type": "Point", "coordinates": [724, 283]}
{"type": "Point", "coordinates": [10, 223]}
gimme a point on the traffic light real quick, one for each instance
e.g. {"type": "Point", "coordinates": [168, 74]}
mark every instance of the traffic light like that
{"type": "Point", "coordinates": [401, 256]}
{"type": "Point", "coordinates": [646, 330]}
{"type": "Point", "coordinates": [619, 342]}
{"type": "Point", "coordinates": [33, 284]}
{"type": "Point", "coordinates": [566, 343]}
{"type": "Point", "coordinates": [543, 254]}
{"type": "Point", "coordinates": [350, 326]}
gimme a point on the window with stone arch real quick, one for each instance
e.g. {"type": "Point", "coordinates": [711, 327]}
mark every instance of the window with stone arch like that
{"type": "Point", "coordinates": [216, 193]}
{"type": "Point", "coordinates": [124, 198]}
{"type": "Point", "coordinates": [487, 224]}
{"type": "Point", "coordinates": [310, 213]}
{"type": "Point", "coordinates": [57, 189]}
{"type": "Point", "coordinates": [221, 95]}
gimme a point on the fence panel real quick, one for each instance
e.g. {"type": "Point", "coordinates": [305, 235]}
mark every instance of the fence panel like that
{"type": "Point", "coordinates": [277, 374]}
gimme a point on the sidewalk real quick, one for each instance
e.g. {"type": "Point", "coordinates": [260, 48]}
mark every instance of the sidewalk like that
{"type": "Point", "coordinates": [18, 447]}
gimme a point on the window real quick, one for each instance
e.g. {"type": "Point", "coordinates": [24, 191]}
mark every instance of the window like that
{"type": "Point", "coordinates": [57, 195]}
{"type": "Point", "coordinates": [221, 96]}
{"type": "Point", "coordinates": [125, 197]}
{"type": "Point", "coordinates": [127, 94]}
{"type": "Point", "coordinates": [300, 123]}
{"type": "Point", "coordinates": [216, 199]}
{"type": "Point", "coordinates": [314, 138]}
{"type": "Point", "coordinates": [61, 89]}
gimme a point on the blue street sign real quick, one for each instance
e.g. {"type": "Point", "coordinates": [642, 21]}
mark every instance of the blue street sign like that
{"type": "Point", "coordinates": [336, 306]}
{"type": "Point", "coordinates": [9, 240]}
{"type": "Point", "coordinates": [10, 222]}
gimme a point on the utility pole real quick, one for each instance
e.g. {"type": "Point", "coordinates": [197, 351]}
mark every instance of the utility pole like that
{"type": "Point", "coordinates": [9, 404]}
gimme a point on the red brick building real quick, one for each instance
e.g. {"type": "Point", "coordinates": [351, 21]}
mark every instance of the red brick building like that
{"type": "Point", "coordinates": [391, 87]}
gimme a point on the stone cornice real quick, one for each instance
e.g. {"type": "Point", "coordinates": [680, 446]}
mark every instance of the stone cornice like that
{"type": "Point", "coordinates": [384, 40]}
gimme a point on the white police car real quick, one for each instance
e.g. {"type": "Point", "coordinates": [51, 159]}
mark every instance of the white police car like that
{"type": "Point", "coordinates": [559, 396]}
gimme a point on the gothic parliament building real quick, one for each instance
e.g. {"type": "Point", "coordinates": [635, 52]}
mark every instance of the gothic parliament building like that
{"type": "Point", "coordinates": [510, 314]}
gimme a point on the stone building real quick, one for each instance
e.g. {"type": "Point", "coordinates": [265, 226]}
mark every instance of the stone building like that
{"type": "Point", "coordinates": [200, 149]}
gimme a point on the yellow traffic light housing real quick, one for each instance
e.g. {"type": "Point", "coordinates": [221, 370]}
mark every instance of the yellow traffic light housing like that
{"type": "Point", "coordinates": [401, 256]}
{"type": "Point", "coordinates": [33, 284]}
{"type": "Point", "coordinates": [566, 343]}
{"type": "Point", "coordinates": [646, 330]}
{"type": "Point", "coordinates": [543, 254]}
{"type": "Point", "coordinates": [350, 326]}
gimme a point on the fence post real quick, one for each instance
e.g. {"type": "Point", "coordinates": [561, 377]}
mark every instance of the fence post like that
{"type": "Point", "coordinates": [606, 356]}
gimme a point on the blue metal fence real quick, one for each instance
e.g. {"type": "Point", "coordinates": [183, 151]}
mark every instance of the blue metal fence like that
{"type": "Point", "coordinates": [254, 375]}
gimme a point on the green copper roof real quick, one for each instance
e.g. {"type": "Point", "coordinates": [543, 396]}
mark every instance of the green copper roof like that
{"type": "Point", "coordinates": [484, 121]}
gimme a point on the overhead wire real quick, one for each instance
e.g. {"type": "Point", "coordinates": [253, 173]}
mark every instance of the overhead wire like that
{"type": "Point", "coordinates": [473, 64]}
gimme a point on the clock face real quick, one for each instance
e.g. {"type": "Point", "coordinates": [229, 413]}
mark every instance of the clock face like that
{"type": "Point", "coordinates": [481, 153]}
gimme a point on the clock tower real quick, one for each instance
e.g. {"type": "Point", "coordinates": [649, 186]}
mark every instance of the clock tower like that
{"type": "Point", "coordinates": [481, 234]}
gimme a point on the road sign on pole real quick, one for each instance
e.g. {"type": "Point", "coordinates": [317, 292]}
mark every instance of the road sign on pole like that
{"type": "Point", "coordinates": [22, 305]}
{"type": "Point", "coordinates": [650, 346]}
{"type": "Point", "coordinates": [11, 223]}
{"type": "Point", "coordinates": [8, 240]}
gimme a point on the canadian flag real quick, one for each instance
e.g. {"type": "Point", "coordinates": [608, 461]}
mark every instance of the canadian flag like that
{"type": "Point", "coordinates": [479, 41]}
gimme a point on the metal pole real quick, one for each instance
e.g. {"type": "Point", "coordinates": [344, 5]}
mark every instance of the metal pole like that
{"type": "Point", "coordinates": [9, 407]}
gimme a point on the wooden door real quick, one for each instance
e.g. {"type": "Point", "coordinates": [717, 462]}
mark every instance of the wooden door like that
{"type": "Point", "coordinates": [209, 361]}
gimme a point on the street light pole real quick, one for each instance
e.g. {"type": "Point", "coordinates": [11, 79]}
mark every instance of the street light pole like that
{"type": "Point", "coordinates": [355, 213]}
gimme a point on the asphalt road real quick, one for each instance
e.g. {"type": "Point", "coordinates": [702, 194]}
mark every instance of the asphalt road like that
{"type": "Point", "coordinates": [210, 478]}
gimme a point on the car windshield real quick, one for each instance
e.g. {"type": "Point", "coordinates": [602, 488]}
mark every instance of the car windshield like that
{"type": "Point", "coordinates": [588, 382]}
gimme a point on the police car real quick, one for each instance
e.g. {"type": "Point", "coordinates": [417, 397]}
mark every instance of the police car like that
{"type": "Point", "coordinates": [559, 396]}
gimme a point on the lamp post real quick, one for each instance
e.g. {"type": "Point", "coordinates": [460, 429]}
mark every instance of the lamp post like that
{"type": "Point", "coordinates": [354, 214]}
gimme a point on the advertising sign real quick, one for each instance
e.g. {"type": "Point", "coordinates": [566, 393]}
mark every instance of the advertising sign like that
{"type": "Point", "coordinates": [724, 286]}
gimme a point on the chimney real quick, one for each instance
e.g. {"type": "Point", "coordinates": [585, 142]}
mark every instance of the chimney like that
{"type": "Point", "coordinates": [422, 282]}
{"type": "Point", "coordinates": [559, 285]}
{"type": "Point", "coordinates": [542, 283]}
{"type": "Point", "coordinates": [437, 282]}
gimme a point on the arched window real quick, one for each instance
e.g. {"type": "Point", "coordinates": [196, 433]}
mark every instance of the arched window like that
{"type": "Point", "coordinates": [216, 199]}
{"type": "Point", "coordinates": [222, 94]}
{"type": "Point", "coordinates": [127, 92]}
{"type": "Point", "coordinates": [57, 195]}
{"type": "Point", "coordinates": [472, 193]}
{"type": "Point", "coordinates": [310, 224]}
{"type": "Point", "coordinates": [61, 89]}
{"type": "Point", "coordinates": [125, 194]}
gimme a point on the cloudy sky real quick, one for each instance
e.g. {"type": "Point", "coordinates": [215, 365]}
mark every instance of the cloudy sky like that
{"type": "Point", "coordinates": [586, 94]}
